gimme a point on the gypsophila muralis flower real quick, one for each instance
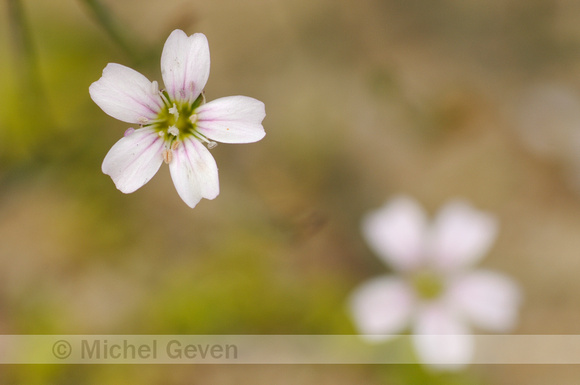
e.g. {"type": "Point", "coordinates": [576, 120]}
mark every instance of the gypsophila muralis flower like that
{"type": "Point", "coordinates": [434, 288]}
{"type": "Point", "coordinates": [174, 124]}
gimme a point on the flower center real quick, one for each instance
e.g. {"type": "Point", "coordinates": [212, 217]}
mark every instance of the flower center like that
{"type": "Point", "coordinates": [177, 118]}
{"type": "Point", "coordinates": [175, 121]}
{"type": "Point", "coordinates": [427, 284]}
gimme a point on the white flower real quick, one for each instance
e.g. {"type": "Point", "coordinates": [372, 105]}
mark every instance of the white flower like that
{"type": "Point", "coordinates": [434, 291]}
{"type": "Point", "coordinates": [175, 123]}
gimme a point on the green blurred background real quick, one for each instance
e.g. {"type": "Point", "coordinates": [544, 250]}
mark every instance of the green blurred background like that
{"type": "Point", "coordinates": [364, 99]}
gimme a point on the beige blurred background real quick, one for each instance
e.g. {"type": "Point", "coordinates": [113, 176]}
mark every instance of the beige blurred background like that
{"type": "Point", "coordinates": [364, 99]}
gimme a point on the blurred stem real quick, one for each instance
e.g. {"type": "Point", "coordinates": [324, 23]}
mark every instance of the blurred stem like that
{"type": "Point", "coordinates": [104, 18]}
{"type": "Point", "coordinates": [30, 87]}
{"type": "Point", "coordinates": [22, 41]}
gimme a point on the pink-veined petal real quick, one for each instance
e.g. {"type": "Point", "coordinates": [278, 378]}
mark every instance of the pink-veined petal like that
{"type": "Point", "coordinates": [232, 119]}
{"type": "Point", "coordinates": [381, 307]}
{"type": "Point", "coordinates": [194, 172]}
{"type": "Point", "coordinates": [489, 300]}
{"type": "Point", "coordinates": [396, 232]}
{"type": "Point", "coordinates": [441, 339]}
{"type": "Point", "coordinates": [125, 94]}
{"type": "Point", "coordinates": [134, 159]}
{"type": "Point", "coordinates": [185, 65]}
{"type": "Point", "coordinates": [461, 236]}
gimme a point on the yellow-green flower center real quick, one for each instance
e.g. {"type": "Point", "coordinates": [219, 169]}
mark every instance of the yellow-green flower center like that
{"type": "Point", "coordinates": [177, 119]}
{"type": "Point", "coordinates": [427, 284]}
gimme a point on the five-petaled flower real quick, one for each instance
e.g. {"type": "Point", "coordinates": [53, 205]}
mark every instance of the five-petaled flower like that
{"type": "Point", "coordinates": [434, 290]}
{"type": "Point", "coordinates": [174, 124]}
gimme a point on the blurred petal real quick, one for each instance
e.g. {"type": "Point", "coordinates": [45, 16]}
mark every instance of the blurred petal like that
{"type": "Point", "coordinates": [233, 119]}
{"type": "Point", "coordinates": [442, 341]}
{"type": "Point", "coordinates": [185, 65]}
{"type": "Point", "coordinates": [490, 300]}
{"type": "Point", "coordinates": [134, 159]}
{"type": "Point", "coordinates": [125, 94]}
{"type": "Point", "coordinates": [382, 306]}
{"type": "Point", "coordinates": [396, 232]}
{"type": "Point", "coordinates": [194, 172]}
{"type": "Point", "coordinates": [461, 236]}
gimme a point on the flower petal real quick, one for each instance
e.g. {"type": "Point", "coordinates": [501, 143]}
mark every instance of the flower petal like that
{"type": "Point", "coordinates": [185, 65]}
{"type": "Point", "coordinates": [442, 341]}
{"type": "Point", "coordinates": [194, 172]}
{"type": "Point", "coordinates": [396, 232]}
{"type": "Point", "coordinates": [490, 300]}
{"type": "Point", "coordinates": [461, 236]}
{"type": "Point", "coordinates": [134, 159]}
{"type": "Point", "coordinates": [381, 307]}
{"type": "Point", "coordinates": [233, 119]}
{"type": "Point", "coordinates": [125, 94]}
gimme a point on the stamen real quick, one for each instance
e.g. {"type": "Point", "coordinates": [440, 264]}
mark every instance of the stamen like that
{"type": "Point", "coordinates": [167, 155]}
{"type": "Point", "coordinates": [165, 100]}
{"type": "Point", "coordinates": [129, 131]}
{"type": "Point", "coordinates": [210, 144]}
{"type": "Point", "coordinates": [174, 112]}
{"type": "Point", "coordinates": [155, 121]}
{"type": "Point", "coordinates": [200, 137]}
{"type": "Point", "coordinates": [173, 130]}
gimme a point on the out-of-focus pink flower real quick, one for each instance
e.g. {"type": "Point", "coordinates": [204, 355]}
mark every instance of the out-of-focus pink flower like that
{"type": "Point", "coordinates": [434, 290]}
{"type": "Point", "coordinates": [175, 124]}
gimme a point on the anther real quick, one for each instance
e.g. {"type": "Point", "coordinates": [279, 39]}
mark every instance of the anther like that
{"type": "Point", "coordinates": [142, 120]}
{"type": "Point", "coordinates": [167, 155]}
{"type": "Point", "coordinates": [174, 112]}
{"type": "Point", "coordinates": [193, 118]}
{"type": "Point", "coordinates": [173, 130]}
{"type": "Point", "coordinates": [211, 144]}
{"type": "Point", "coordinates": [154, 87]}
{"type": "Point", "coordinates": [175, 145]}
{"type": "Point", "coordinates": [129, 131]}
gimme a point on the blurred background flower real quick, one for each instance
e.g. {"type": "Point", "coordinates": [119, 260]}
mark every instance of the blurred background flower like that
{"type": "Point", "coordinates": [364, 101]}
{"type": "Point", "coordinates": [435, 288]}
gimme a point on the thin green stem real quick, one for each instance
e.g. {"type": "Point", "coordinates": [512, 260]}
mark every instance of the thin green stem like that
{"type": "Point", "coordinates": [105, 19]}
{"type": "Point", "coordinates": [30, 88]}
{"type": "Point", "coordinates": [22, 42]}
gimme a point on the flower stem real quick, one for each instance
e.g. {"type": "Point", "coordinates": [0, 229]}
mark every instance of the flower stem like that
{"type": "Point", "coordinates": [104, 18]}
{"type": "Point", "coordinates": [27, 64]}
{"type": "Point", "coordinates": [23, 46]}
